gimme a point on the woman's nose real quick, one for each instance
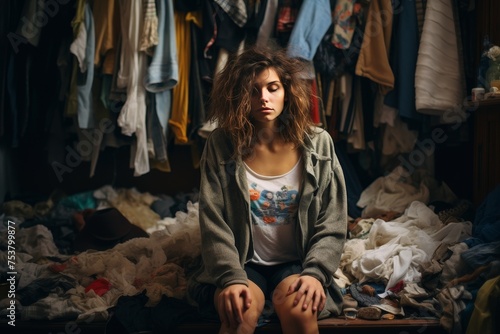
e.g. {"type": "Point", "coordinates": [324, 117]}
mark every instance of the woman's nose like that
{"type": "Point", "coordinates": [263, 97]}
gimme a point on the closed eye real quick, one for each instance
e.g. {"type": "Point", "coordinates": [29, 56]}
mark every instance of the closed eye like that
{"type": "Point", "coordinates": [274, 87]}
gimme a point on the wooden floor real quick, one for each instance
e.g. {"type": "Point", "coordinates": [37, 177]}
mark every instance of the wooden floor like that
{"type": "Point", "coordinates": [332, 325]}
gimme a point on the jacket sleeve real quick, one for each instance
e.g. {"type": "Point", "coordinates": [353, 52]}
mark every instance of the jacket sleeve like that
{"type": "Point", "coordinates": [220, 256]}
{"type": "Point", "coordinates": [328, 223]}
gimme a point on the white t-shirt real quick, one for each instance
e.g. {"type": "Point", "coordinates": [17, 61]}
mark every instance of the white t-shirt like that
{"type": "Point", "coordinates": [274, 201]}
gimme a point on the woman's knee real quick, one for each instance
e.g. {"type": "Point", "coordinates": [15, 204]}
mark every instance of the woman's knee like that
{"type": "Point", "coordinates": [280, 298]}
{"type": "Point", "coordinates": [284, 304]}
{"type": "Point", "coordinates": [258, 301]}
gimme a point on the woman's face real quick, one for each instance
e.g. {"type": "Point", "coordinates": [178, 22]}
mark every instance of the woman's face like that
{"type": "Point", "coordinates": [268, 97]}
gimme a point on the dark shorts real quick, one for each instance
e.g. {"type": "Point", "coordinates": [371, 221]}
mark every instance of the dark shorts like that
{"type": "Point", "coordinates": [265, 277]}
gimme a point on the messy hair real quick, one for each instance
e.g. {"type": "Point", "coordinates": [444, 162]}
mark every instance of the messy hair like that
{"type": "Point", "coordinates": [230, 97]}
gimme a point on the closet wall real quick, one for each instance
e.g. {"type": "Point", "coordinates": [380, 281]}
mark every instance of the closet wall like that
{"type": "Point", "coordinates": [486, 118]}
{"type": "Point", "coordinates": [27, 169]}
{"type": "Point", "coordinates": [470, 167]}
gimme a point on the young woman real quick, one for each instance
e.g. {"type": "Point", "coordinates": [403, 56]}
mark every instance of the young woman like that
{"type": "Point", "coordinates": [273, 208]}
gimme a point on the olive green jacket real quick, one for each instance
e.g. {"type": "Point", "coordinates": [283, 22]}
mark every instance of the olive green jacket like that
{"type": "Point", "coordinates": [225, 217]}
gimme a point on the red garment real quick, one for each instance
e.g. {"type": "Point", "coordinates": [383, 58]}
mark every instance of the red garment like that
{"type": "Point", "coordinates": [397, 287]}
{"type": "Point", "coordinates": [100, 286]}
{"type": "Point", "coordinates": [58, 267]}
{"type": "Point", "coordinates": [287, 15]}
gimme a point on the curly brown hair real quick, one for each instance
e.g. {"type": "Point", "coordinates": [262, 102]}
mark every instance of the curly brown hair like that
{"type": "Point", "coordinates": [230, 97]}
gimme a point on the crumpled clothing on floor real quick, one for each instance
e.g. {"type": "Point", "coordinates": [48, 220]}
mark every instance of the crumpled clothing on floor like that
{"type": "Point", "coordinates": [41, 288]}
{"type": "Point", "coordinates": [396, 250]}
{"type": "Point", "coordinates": [397, 190]}
{"type": "Point", "coordinates": [153, 266]}
{"type": "Point", "coordinates": [134, 205]}
{"type": "Point", "coordinates": [37, 241]}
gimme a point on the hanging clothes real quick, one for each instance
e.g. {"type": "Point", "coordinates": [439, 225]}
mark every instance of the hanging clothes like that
{"type": "Point", "coordinates": [107, 30]}
{"type": "Point", "coordinates": [132, 119]}
{"type": "Point", "coordinates": [149, 34]}
{"type": "Point", "coordinates": [266, 28]}
{"type": "Point", "coordinates": [403, 58]}
{"type": "Point", "coordinates": [162, 76]}
{"type": "Point", "coordinates": [84, 48]}
{"type": "Point", "coordinates": [71, 108]}
{"type": "Point", "coordinates": [305, 37]}
{"type": "Point", "coordinates": [373, 61]}
{"type": "Point", "coordinates": [344, 24]}
{"type": "Point", "coordinates": [180, 105]}
{"type": "Point", "coordinates": [236, 9]}
{"type": "Point", "coordinates": [439, 75]}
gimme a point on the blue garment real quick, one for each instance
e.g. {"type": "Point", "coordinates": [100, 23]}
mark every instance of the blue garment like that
{"type": "Point", "coordinates": [313, 20]}
{"type": "Point", "coordinates": [403, 58]}
{"type": "Point", "coordinates": [163, 72]}
{"type": "Point", "coordinates": [79, 201]}
{"type": "Point", "coordinates": [156, 128]}
{"type": "Point", "coordinates": [481, 254]}
{"type": "Point", "coordinates": [162, 75]}
{"type": "Point", "coordinates": [487, 221]}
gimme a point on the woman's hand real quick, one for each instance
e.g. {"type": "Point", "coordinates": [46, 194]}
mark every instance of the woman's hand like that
{"type": "Point", "coordinates": [313, 291]}
{"type": "Point", "coordinates": [232, 302]}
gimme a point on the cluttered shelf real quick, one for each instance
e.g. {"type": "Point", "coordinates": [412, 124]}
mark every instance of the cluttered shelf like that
{"type": "Point", "coordinates": [486, 145]}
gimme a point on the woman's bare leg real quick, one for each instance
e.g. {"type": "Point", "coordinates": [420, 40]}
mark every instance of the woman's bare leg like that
{"type": "Point", "coordinates": [293, 319]}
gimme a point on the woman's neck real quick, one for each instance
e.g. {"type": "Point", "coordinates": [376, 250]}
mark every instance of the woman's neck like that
{"type": "Point", "coordinates": [267, 134]}
{"type": "Point", "coordinates": [272, 156]}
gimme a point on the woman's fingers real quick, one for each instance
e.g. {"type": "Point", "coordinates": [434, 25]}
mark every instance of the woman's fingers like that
{"type": "Point", "coordinates": [311, 289]}
{"type": "Point", "coordinates": [232, 303]}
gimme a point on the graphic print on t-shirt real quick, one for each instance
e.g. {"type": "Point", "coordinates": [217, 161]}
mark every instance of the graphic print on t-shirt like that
{"type": "Point", "coordinates": [276, 208]}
